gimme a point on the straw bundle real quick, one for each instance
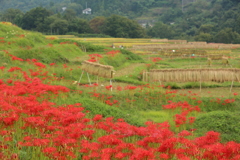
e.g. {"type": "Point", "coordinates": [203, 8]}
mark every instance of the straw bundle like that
{"type": "Point", "coordinates": [98, 69]}
{"type": "Point", "coordinates": [197, 43]}
{"type": "Point", "coordinates": [84, 66]}
{"type": "Point", "coordinates": [215, 57]}
{"type": "Point", "coordinates": [194, 75]}
{"type": "Point", "coordinates": [178, 41]}
{"type": "Point", "coordinates": [106, 71]}
{"type": "Point", "coordinates": [159, 40]}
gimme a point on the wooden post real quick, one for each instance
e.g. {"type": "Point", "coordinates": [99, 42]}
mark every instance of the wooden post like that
{"type": "Point", "coordinates": [80, 77]}
{"type": "Point", "coordinates": [111, 84]}
{"type": "Point", "coordinates": [200, 80]}
{"type": "Point", "coordinates": [143, 78]}
{"type": "Point", "coordinates": [88, 78]}
{"type": "Point", "coordinates": [232, 81]}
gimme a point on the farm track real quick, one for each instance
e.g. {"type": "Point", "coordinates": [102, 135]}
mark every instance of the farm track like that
{"type": "Point", "coordinates": [128, 70]}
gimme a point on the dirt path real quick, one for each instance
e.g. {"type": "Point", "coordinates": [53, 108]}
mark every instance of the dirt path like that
{"type": "Point", "coordinates": [128, 70]}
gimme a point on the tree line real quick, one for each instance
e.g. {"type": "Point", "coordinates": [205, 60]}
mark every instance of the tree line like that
{"type": "Point", "coordinates": [205, 20]}
{"type": "Point", "coordinates": [42, 20]}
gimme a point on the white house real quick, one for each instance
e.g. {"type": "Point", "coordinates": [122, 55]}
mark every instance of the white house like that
{"type": "Point", "coordinates": [87, 11]}
{"type": "Point", "coordinates": [64, 8]}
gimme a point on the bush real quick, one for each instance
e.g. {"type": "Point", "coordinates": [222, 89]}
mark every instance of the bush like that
{"type": "Point", "coordinates": [131, 56]}
{"type": "Point", "coordinates": [226, 123]}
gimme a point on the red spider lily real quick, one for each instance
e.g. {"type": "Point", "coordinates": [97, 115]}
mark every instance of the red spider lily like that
{"type": "Point", "coordinates": [34, 60]}
{"type": "Point", "coordinates": [50, 45]}
{"type": "Point", "coordinates": [128, 87]}
{"type": "Point", "coordinates": [235, 94]}
{"type": "Point", "coordinates": [2, 68]}
{"type": "Point", "coordinates": [63, 130]}
{"type": "Point", "coordinates": [49, 150]}
{"type": "Point", "coordinates": [191, 120]}
{"type": "Point", "coordinates": [180, 120]}
{"type": "Point", "coordinates": [112, 53]}
{"type": "Point", "coordinates": [12, 69]}
{"type": "Point", "coordinates": [67, 42]}
{"type": "Point", "coordinates": [92, 60]}
{"type": "Point", "coordinates": [156, 59]}
{"type": "Point", "coordinates": [119, 88]}
{"type": "Point", "coordinates": [148, 65]}
{"type": "Point", "coordinates": [9, 81]}
{"type": "Point", "coordinates": [40, 65]}
{"type": "Point", "coordinates": [5, 51]}
{"type": "Point", "coordinates": [97, 117]}
{"type": "Point", "coordinates": [20, 36]}
{"type": "Point", "coordinates": [52, 64]}
{"type": "Point", "coordinates": [16, 58]}
{"type": "Point", "coordinates": [65, 66]}
{"type": "Point", "coordinates": [229, 100]}
{"type": "Point", "coordinates": [108, 102]}
{"type": "Point", "coordinates": [94, 57]}
{"type": "Point", "coordinates": [164, 156]}
{"type": "Point", "coordinates": [108, 87]}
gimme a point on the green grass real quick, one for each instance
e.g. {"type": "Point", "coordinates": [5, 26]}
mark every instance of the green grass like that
{"type": "Point", "coordinates": [155, 116]}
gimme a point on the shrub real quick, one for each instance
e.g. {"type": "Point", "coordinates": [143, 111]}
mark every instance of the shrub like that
{"type": "Point", "coordinates": [226, 123]}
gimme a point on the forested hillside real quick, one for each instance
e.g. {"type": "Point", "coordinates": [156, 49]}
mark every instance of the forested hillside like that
{"type": "Point", "coordinates": [201, 20]}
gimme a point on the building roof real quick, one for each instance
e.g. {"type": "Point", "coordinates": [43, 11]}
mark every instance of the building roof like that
{"type": "Point", "coordinates": [87, 9]}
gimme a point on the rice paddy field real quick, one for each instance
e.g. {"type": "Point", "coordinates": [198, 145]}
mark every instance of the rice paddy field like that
{"type": "Point", "coordinates": [70, 98]}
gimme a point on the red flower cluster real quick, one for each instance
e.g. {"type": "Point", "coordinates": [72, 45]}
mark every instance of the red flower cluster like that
{"type": "Point", "coordinates": [112, 53]}
{"type": "Point", "coordinates": [64, 132]}
{"type": "Point", "coordinates": [186, 109]}
{"type": "Point", "coordinates": [94, 57]}
{"type": "Point", "coordinates": [156, 59]}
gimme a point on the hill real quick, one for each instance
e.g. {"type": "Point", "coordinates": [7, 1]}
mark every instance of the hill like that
{"type": "Point", "coordinates": [51, 109]}
{"type": "Point", "coordinates": [205, 20]}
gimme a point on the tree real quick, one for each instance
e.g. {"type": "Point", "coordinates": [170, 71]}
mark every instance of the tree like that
{"type": "Point", "coordinates": [161, 30]}
{"type": "Point", "coordinates": [11, 15]}
{"type": "Point", "coordinates": [34, 19]}
{"type": "Point", "coordinates": [79, 25]}
{"type": "Point", "coordinates": [76, 7]}
{"type": "Point", "coordinates": [118, 26]}
{"type": "Point", "coordinates": [59, 26]}
{"type": "Point", "coordinates": [226, 36]}
{"type": "Point", "coordinates": [69, 14]}
{"type": "Point", "coordinates": [96, 24]}
{"type": "Point", "coordinates": [206, 28]}
{"type": "Point", "coordinates": [48, 21]}
{"type": "Point", "coordinates": [237, 24]}
{"type": "Point", "coordinates": [206, 37]}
